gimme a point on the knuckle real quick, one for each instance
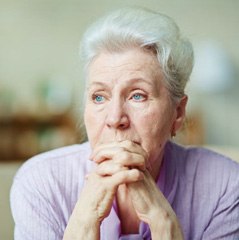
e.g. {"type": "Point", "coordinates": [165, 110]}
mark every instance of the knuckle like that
{"type": "Point", "coordinates": [142, 161]}
{"type": "Point", "coordinates": [137, 174]}
{"type": "Point", "coordinates": [128, 143]}
{"type": "Point", "coordinates": [124, 156]}
{"type": "Point", "coordinates": [118, 167]}
{"type": "Point", "coordinates": [110, 186]}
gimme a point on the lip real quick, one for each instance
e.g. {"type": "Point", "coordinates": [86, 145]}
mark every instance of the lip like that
{"type": "Point", "coordinates": [134, 141]}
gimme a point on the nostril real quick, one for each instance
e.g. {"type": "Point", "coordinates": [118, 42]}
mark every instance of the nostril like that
{"type": "Point", "coordinates": [118, 123]}
{"type": "Point", "coordinates": [123, 125]}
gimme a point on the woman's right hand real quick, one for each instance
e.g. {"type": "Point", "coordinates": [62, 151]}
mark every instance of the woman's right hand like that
{"type": "Point", "coordinates": [99, 191]}
{"type": "Point", "coordinates": [96, 200]}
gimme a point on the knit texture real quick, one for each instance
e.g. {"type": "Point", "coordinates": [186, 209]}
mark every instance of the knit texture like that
{"type": "Point", "coordinates": [201, 186]}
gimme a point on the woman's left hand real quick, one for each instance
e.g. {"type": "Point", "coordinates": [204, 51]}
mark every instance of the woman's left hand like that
{"type": "Point", "coordinates": [150, 204]}
{"type": "Point", "coordinates": [153, 208]}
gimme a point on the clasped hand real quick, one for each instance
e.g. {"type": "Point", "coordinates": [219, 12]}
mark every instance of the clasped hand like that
{"type": "Point", "coordinates": [126, 163]}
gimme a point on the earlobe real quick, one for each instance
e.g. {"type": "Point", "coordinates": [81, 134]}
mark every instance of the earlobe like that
{"type": "Point", "coordinates": [180, 115]}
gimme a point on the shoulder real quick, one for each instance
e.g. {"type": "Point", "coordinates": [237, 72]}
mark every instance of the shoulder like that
{"type": "Point", "coordinates": [207, 183]}
{"type": "Point", "coordinates": [65, 158]}
{"type": "Point", "coordinates": [203, 160]}
{"type": "Point", "coordinates": [203, 170]}
{"type": "Point", "coordinates": [47, 186]}
{"type": "Point", "coordinates": [57, 171]}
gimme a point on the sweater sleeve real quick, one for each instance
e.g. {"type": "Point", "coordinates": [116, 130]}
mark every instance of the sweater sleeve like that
{"type": "Point", "coordinates": [45, 191]}
{"type": "Point", "coordinates": [35, 213]}
{"type": "Point", "coordinates": [225, 220]}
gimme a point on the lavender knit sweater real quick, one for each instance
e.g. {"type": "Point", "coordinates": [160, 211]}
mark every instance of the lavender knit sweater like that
{"type": "Point", "coordinates": [201, 186]}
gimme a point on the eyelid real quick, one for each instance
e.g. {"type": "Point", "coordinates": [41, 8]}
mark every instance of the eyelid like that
{"type": "Point", "coordinates": [139, 92]}
{"type": "Point", "coordinates": [99, 92]}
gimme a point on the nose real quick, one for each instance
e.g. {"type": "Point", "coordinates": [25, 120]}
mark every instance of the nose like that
{"type": "Point", "coordinates": [117, 117]}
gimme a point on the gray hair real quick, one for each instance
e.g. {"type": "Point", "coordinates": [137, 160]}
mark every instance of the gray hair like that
{"type": "Point", "coordinates": [137, 27]}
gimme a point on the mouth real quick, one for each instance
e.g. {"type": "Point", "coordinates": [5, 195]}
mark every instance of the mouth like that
{"type": "Point", "coordinates": [134, 141]}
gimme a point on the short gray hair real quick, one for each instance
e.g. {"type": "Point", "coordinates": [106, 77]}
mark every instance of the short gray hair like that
{"type": "Point", "coordinates": [138, 27]}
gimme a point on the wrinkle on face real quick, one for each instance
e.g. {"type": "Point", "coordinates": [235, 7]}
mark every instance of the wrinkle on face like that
{"type": "Point", "coordinates": [118, 74]}
{"type": "Point", "coordinates": [133, 69]}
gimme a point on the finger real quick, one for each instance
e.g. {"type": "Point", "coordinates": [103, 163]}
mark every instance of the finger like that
{"type": "Point", "coordinates": [126, 177]}
{"type": "Point", "coordinates": [110, 183]}
{"type": "Point", "coordinates": [106, 153]}
{"type": "Point", "coordinates": [134, 147]}
{"type": "Point", "coordinates": [99, 147]}
{"type": "Point", "coordinates": [121, 160]}
{"type": "Point", "coordinates": [128, 145]}
{"type": "Point", "coordinates": [109, 168]}
{"type": "Point", "coordinates": [121, 154]}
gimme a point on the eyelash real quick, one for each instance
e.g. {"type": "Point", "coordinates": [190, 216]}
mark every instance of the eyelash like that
{"type": "Point", "coordinates": [143, 97]}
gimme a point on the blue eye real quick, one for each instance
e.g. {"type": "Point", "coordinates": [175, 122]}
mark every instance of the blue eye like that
{"type": "Point", "coordinates": [99, 98]}
{"type": "Point", "coordinates": [138, 97]}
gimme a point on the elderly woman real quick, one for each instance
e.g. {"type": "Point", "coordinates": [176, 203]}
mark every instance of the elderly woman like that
{"type": "Point", "coordinates": [130, 181]}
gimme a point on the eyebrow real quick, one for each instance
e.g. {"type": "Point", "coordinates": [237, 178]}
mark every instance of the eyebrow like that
{"type": "Point", "coordinates": [136, 80]}
{"type": "Point", "coordinates": [100, 84]}
{"type": "Point", "coordinates": [132, 81]}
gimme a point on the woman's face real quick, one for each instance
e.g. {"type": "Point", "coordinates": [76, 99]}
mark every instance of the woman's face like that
{"type": "Point", "coordinates": [127, 100]}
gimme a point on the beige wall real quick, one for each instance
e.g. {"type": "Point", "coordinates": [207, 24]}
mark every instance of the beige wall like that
{"type": "Point", "coordinates": [39, 40]}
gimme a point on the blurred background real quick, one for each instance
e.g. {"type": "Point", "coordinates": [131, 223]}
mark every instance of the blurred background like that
{"type": "Point", "coordinates": [41, 83]}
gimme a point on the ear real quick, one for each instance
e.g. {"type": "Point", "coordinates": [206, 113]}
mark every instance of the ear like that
{"type": "Point", "coordinates": [180, 112]}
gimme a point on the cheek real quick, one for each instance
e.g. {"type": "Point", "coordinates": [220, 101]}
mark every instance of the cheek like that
{"type": "Point", "coordinates": [87, 117]}
{"type": "Point", "coordinates": [94, 123]}
{"type": "Point", "coordinates": [154, 133]}
{"type": "Point", "coordinates": [156, 122]}
{"type": "Point", "coordinates": [154, 127]}
{"type": "Point", "coordinates": [90, 122]}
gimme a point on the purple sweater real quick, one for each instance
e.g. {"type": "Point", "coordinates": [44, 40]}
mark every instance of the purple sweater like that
{"type": "Point", "coordinates": [201, 186]}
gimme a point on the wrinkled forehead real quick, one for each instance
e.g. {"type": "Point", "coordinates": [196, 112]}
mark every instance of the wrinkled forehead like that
{"type": "Point", "coordinates": [123, 66]}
